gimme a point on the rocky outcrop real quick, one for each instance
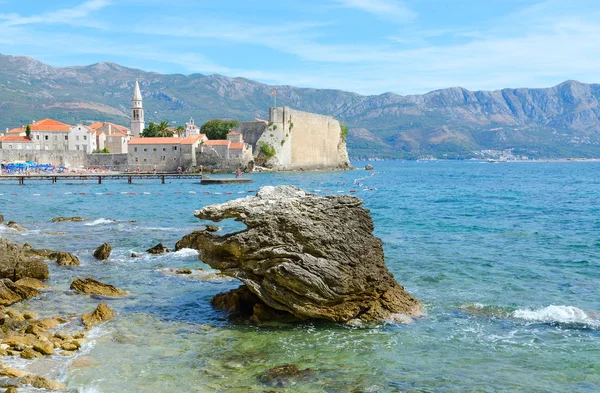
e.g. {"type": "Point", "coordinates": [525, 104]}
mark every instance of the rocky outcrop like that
{"type": "Point", "coordinates": [310, 256]}
{"type": "Point", "coordinates": [102, 313]}
{"type": "Point", "coordinates": [11, 293]}
{"type": "Point", "coordinates": [369, 167]}
{"type": "Point", "coordinates": [66, 259]}
{"type": "Point", "coordinates": [158, 249]}
{"type": "Point", "coordinates": [17, 227]}
{"type": "Point", "coordinates": [16, 263]}
{"type": "Point", "coordinates": [91, 286]}
{"type": "Point", "coordinates": [103, 252]}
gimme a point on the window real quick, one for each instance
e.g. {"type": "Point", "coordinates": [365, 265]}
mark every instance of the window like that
{"type": "Point", "coordinates": [76, 147]}
{"type": "Point", "coordinates": [66, 137]}
{"type": "Point", "coordinates": [144, 160]}
{"type": "Point", "coordinates": [174, 147]}
{"type": "Point", "coordinates": [46, 138]}
{"type": "Point", "coordinates": [135, 149]}
{"type": "Point", "coordinates": [85, 138]}
{"type": "Point", "coordinates": [154, 149]}
{"type": "Point", "coordinates": [163, 158]}
{"type": "Point", "coordinates": [164, 149]}
{"type": "Point", "coordinates": [145, 149]}
{"type": "Point", "coordinates": [77, 138]}
{"type": "Point", "coordinates": [137, 159]}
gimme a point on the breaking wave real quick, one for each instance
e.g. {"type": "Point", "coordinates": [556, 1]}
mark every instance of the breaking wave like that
{"type": "Point", "coordinates": [100, 221]}
{"type": "Point", "coordinates": [559, 314]}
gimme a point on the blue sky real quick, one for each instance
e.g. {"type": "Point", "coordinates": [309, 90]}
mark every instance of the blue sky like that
{"type": "Point", "coordinates": [365, 46]}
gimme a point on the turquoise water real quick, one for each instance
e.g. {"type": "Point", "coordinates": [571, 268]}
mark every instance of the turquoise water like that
{"type": "Point", "coordinates": [505, 258]}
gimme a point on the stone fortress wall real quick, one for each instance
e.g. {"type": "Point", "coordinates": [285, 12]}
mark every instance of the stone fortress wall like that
{"type": "Point", "coordinates": [304, 141]}
{"type": "Point", "coordinates": [116, 162]}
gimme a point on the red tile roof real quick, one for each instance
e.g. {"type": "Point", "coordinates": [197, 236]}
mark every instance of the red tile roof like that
{"type": "Point", "coordinates": [50, 125]}
{"type": "Point", "coordinates": [190, 140]}
{"type": "Point", "coordinates": [217, 142]}
{"type": "Point", "coordinates": [17, 130]}
{"type": "Point", "coordinates": [15, 138]}
{"type": "Point", "coordinates": [236, 145]}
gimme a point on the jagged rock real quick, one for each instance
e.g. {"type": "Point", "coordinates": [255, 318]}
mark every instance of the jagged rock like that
{"type": "Point", "coordinates": [44, 347]}
{"type": "Point", "coordinates": [369, 167]}
{"type": "Point", "coordinates": [42, 382]}
{"type": "Point", "coordinates": [73, 219]}
{"type": "Point", "coordinates": [101, 314]}
{"type": "Point", "coordinates": [283, 375]}
{"type": "Point", "coordinates": [89, 285]}
{"type": "Point", "coordinates": [16, 263]}
{"type": "Point", "coordinates": [11, 389]}
{"type": "Point", "coordinates": [15, 226]}
{"type": "Point", "coordinates": [1, 219]}
{"type": "Point", "coordinates": [103, 252]}
{"type": "Point", "coordinates": [30, 353]}
{"type": "Point", "coordinates": [158, 249]}
{"type": "Point", "coordinates": [27, 246]}
{"type": "Point", "coordinates": [66, 259]}
{"type": "Point", "coordinates": [183, 271]}
{"type": "Point", "coordinates": [135, 255]}
{"type": "Point", "coordinates": [31, 283]}
{"type": "Point", "coordinates": [12, 372]}
{"type": "Point", "coordinates": [11, 293]}
{"type": "Point", "coordinates": [212, 228]}
{"type": "Point", "coordinates": [311, 256]}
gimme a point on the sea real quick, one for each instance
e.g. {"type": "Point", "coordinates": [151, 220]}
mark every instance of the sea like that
{"type": "Point", "coordinates": [505, 258]}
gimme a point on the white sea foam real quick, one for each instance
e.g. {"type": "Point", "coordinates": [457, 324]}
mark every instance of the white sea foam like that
{"type": "Point", "coordinates": [99, 221]}
{"type": "Point", "coordinates": [558, 314]}
{"type": "Point", "coordinates": [186, 252]}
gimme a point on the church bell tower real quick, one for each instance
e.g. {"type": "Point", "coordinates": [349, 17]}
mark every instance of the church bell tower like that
{"type": "Point", "coordinates": [137, 112]}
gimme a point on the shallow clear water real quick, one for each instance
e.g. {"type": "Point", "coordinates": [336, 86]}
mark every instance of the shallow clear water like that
{"type": "Point", "coordinates": [505, 258]}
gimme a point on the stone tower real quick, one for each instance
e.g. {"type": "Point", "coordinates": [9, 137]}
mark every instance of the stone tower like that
{"type": "Point", "coordinates": [137, 112]}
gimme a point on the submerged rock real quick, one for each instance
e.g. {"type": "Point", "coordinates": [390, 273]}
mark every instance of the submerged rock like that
{"type": "Point", "coordinates": [369, 167]}
{"type": "Point", "coordinates": [158, 249]}
{"type": "Point", "coordinates": [73, 219]}
{"type": "Point", "coordinates": [307, 255]}
{"type": "Point", "coordinates": [102, 313]}
{"type": "Point", "coordinates": [91, 286]}
{"type": "Point", "coordinates": [15, 226]}
{"type": "Point", "coordinates": [16, 263]}
{"type": "Point", "coordinates": [42, 382]}
{"type": "Point", "coordinates": [283, 375]}
{"type": "Point", "coordinates": [212, 228]}
{"type": "Point", "coordinates": [103, 252]}
{"type": "Point", "coordinates": [11, 293]}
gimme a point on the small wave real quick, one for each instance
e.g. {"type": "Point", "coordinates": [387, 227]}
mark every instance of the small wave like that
{"type": "Point", "coordinates": [559, 314]}
{"type": "Point", "coordinates": [100, 221]}
{"type": "Point", "coordinates": [186, 252]}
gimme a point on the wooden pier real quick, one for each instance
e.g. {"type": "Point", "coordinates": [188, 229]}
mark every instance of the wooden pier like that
{"type": "Point", "coordinates": [130, 177]}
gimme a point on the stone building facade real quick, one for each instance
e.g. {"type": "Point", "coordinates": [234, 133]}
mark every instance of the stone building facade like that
{"type": "Point", "coordinates": [166, 154]}
{"type": "Point", "coordinates": [82, 138]}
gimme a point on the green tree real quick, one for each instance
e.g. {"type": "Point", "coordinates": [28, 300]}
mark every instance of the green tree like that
{"type": "Point", "coordinates": [163, 131]}
{"type": "Point", "coordinates": [218, 128]}
{"type": "Point", "coordinates": [150, 131]}
{"type": "Point", "coordinates": [28, 131]}
{"type": "Point", "coordinates": [180, 131]}
{"type": "Point", "coordinates": [159, 130]}
{"type": "Point", "coordinates": [343, 132]}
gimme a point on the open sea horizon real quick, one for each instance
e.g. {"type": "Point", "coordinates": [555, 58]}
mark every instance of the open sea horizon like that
{"type": "Point", "coordinates": [505, 258]}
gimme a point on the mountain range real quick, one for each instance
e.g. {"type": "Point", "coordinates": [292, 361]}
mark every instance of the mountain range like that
{"type": "Point", "coordinates": [560, 121]}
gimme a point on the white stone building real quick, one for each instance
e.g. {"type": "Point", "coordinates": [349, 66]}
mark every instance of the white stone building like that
{"type": "Point", "coordinates": [82, 138]}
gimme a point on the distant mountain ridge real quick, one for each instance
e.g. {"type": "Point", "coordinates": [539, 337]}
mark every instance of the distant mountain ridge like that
{"type": "Point", "coordinates": [560, 121]}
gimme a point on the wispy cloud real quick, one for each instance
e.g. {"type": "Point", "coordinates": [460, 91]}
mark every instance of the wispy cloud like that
{"type": "Point", "coordinates": [70, 16]}
{"type": "Point", "coordinates": [388, 9]}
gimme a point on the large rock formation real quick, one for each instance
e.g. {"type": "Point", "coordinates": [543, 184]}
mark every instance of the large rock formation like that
{"type": "Point", "coordinates": [16, 263]}
{"type": "Point", "coordinates": [91, 286]}
{"type": "Point", "coordinates": [11, 293]}
{"type": "Point", "coordinates": [310, 256]}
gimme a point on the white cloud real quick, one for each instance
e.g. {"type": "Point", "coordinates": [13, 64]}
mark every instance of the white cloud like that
{"type": "Point", "coordinates": [388, 9]}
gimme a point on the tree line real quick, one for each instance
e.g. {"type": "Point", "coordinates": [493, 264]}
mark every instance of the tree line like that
{"type": "Point", "coordinates": [214, 129]}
